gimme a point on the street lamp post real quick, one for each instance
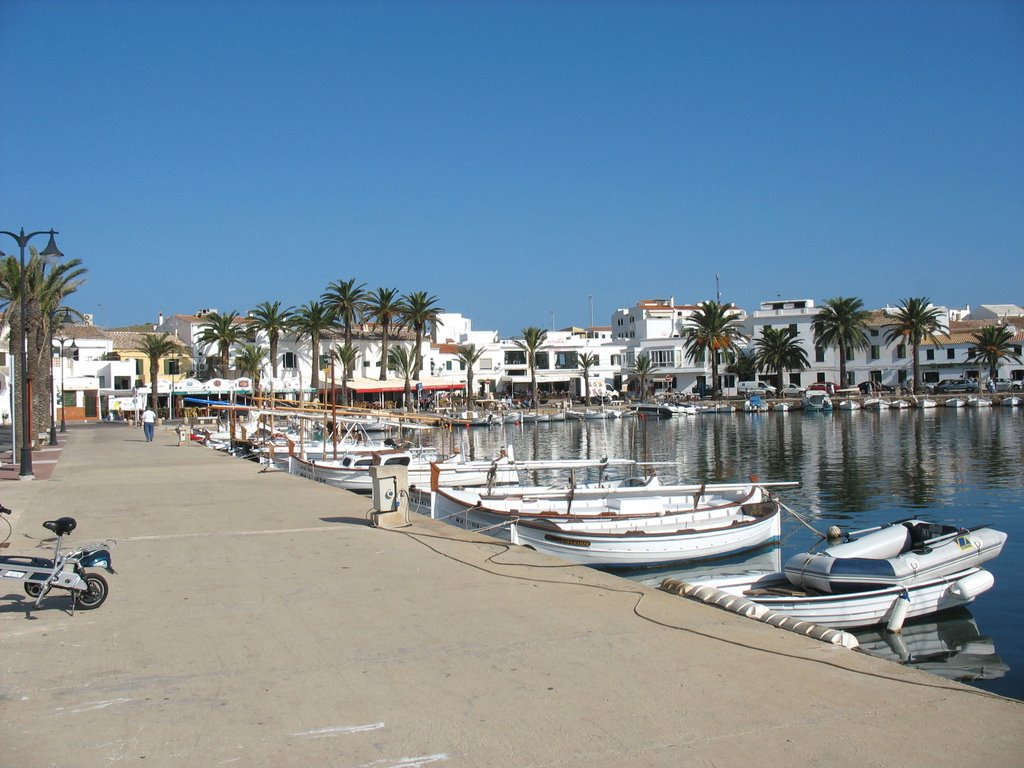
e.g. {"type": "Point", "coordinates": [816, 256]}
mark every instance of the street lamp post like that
{"type": "Point", "coordinates": [63, 401]}
{"type": "Point", "coordinates": [50, 252]}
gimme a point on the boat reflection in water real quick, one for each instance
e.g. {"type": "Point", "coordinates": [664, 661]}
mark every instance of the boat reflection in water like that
{"type": "Point", "coordinates": [947, 644]}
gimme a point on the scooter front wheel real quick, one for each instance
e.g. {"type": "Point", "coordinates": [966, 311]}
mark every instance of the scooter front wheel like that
{"type": "Point", "coordinates": [95, 592]}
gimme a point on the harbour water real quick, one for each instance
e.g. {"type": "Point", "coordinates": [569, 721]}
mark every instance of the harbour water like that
{"type": "Point", "coordinates": [855, 469]}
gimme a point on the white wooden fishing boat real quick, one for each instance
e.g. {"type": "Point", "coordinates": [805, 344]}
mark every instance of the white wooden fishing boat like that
{"type": "Point", "coordinates": [897, 554]}
{"type": "Point", "coordinates": [924, 403]}
{"type": "Point", "coordinates": [351, 471]}
{"type": "Point", "coordinates": [899, 404]}
{"type": "Point", "coordinates": [849, 405]}
{"type": "Point", "coordinates": [876, 404]}
{"type": "Point", "coordinates": [781, 406]}
{"type": "Point", "coordinates": [1011, 401]}
{"type": "Point", "coordinates": [605, 506]}
{"type": "Point", "coordinates": [864, 608]}
{"type": "Point", "coordinates": [978, 402]}
{"type": "Point", "coordinates": [956, 402]}
{"type": "Point", "coordinates": [629, 543]}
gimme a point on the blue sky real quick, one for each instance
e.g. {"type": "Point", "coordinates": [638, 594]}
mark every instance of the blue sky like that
{"type": "Point", "coordinates": [515, 159]}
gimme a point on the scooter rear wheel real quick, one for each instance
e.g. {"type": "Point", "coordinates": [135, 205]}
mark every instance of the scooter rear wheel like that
{"type": "Point", "coordinates": [95, 593]}
{"type": "Point", "coordinates": [33, 590]}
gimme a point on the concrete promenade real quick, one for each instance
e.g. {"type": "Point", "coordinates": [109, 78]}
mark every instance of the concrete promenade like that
{"type": "Point", "coordinates": [257, 620]}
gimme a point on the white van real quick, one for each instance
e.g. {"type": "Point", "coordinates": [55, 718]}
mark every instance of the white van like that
{"type": "Point", "coordinates": [755, 388]}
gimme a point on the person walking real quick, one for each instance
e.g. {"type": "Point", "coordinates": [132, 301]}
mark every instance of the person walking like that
{"type": "Point", "coordinates": [148, 422]}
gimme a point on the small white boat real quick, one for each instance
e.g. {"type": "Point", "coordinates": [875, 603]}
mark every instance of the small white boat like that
{"type": "Point", "coordinates": [754, 404]}
{"type": "Point", "coordinates": [978, 402]}
{"type": "Point", "coordinates": [1011, 401]}
{"type": "Point", "coordinates": [898, 405]}
{"type": "Point", "coordinates": [897, 554]}
{"type": "Point", "coordinates": [924, 403]}
{"type": "Point", "coordinates": [956, 402]}
{"type": "Point", "coordinates": [849, 405]}
{"type": "Point", "coordinates": [536, 418]}
{"type": "Point", "coordinates": [816, 400]}
{"type": "Point", "coordinates": [781, 406]}
{"type": "Point", "coordinates": [678, 537]}
{"type": "Point", "coordinates": [864, 608]}
{"type": "Point", "coordinates": [876, 404]}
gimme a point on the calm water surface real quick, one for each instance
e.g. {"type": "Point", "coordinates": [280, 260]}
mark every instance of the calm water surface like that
{"type": "Point", "coordinates": [855, 469]}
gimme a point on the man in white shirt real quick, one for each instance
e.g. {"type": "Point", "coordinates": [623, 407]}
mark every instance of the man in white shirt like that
{"type": "Point", "coordinates": [148, 421]}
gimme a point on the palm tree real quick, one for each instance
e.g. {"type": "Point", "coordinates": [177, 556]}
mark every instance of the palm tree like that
{"type": "Point", "coordinates": [402, 361]}
{"type": "Point", "coordinates": [469, 356]}
{"type": "Point", "coordinates": [992, 344]}
{"type": "Point", "coordinates": [841, 323]}
{"type": "Point", "coordinates": [914, 321]}
{"type": "Point", "coordinates": [347, 356]}
{"type": "Point", "coordinates": [55, 285]}
{"type": "Point", "coordinates": [587, 361]}
{"type": "Point", "coordinates": [225, 331]}
{"type": "Point", "coordinates": [418, 311]}
{"type": "Point", "coordinates": [347, 301]}
{"type": "Point", "coordinates": [155, 347]}
{"type": "Point", "coordinates": [642, 369]}
{"type": "Point", "coordinates": [270, 319]}
{"type": "Point", "coordinates": [310, 321]}
{"type": "Point", "coordinates": [45, 292]}
{"type": "Point", "coordinates": [713, 329]}
{"type": "Point", "coordinates": [249, 361]}
{"type": "Point", "coordinates": [384, 307]}
{"type": "Point", "coordinates": [533, 340]}
{"type": "Point", "coordinates": [778, 350]}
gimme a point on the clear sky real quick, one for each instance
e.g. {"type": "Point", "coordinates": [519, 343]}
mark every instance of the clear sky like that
{"type": "Point", "coordinates": [521, 161]}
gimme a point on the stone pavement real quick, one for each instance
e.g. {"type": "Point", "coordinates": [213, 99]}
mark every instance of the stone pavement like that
{"type": "Point", "coordinates": [257, 620]}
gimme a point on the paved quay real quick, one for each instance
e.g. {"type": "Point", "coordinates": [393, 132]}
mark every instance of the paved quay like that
{"type": "Point", "coordinates": [257, 620]}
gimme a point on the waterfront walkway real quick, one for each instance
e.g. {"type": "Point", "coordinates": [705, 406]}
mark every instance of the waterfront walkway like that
{"type": "Point", "coordinates": [257, 620]}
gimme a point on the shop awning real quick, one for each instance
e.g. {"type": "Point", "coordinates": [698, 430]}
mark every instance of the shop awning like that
{"type": "Point", "coordinates": [375, 386]}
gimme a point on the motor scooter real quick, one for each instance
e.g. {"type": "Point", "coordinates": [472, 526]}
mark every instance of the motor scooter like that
{"type": "Point", "coordinates": [66, 570]}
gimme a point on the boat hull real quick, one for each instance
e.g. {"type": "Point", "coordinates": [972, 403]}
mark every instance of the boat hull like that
{"type": "Point", "coordinates": [864, 608]}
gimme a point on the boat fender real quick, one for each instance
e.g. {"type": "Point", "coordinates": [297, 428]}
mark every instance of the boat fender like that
{"type": "Point", "coordinates": [900, 606]}
{"type": "Point", "coordinates": [969, 587]}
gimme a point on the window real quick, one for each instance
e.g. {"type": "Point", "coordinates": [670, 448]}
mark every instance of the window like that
{"type": "Point", "coordinates": [951, 354]}
{"type": "Point", "coordinates": [325, 361]}
{"type": "Point", "coordinates": [901, 350]}
{"type": "Point", "coordinates": [3, 358]}
{"type": "Point", "coordinates": [541, 361]}
{"type": "Point", "coordinates": [138, 367]}
{"type": "Point", "coordinates": [874, 331]}
{"type": "Point", "coordinates": [616, 361]}
{"type": "Point", "coordinates": [122, 382]}
{"type": "Point", "coordinates": [662, 358]}
{"type": "Point", "coordinates": [288, 360]}
{"type": "Point", "coordinates": [929, 354]}
{"type": "Point", "coordinates": [876, 352]}
{"type": "Point", "coordinates": [515, 357]}
{"type": "Point", "coordinates": [565, 360]}
{"type": "Point", "coordinates": [171, 367]}
{"type": "Point", "coordinates": [819, 354]}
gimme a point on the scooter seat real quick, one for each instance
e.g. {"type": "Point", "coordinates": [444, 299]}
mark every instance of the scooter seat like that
{"type": "Point", "coordinates": [61, 525]}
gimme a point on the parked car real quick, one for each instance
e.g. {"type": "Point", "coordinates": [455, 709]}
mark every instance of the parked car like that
{"type": "Point", "coordinates": [956, 385]}
{"type": "Point", "coordinates": [755, 388]}
{"type": "Point", "coordinates": [824, 386]}
{"type": "Point", "coordinates": [1008, 385]}
{"type": "Point", "coordinates": [791, 390]}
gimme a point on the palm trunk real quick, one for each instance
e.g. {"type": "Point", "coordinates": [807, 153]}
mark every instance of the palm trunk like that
{"type": "Point", "coordinates": [384, 352]}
